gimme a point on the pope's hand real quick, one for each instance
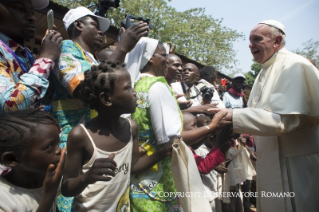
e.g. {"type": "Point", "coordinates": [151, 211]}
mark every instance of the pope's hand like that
{"type": "Point", "coordinates": [228, 117]}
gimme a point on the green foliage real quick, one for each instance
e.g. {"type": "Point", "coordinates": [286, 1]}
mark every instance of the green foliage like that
{"type": "Point", "coordinates": [74, 3]}
{"type": "Point", "coordinates": [310, 50]}
{"type": "Point", "coordinates": [198, 36]}
{"type": "Point", "coordinates": [253, 73]}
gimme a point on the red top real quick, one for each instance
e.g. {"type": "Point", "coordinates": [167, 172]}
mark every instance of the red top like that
{"type": "Point", "coordinates": [212, 159]}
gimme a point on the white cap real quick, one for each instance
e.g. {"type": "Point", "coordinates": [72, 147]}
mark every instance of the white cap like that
{"type": "Point", "coordinates": [275, 24]}
{"type": "Point", "coordinates": [239, 76]}
{"type": "Point", "coordinates": [39, 4]}
{"type": "Point", "coordinates": [77, 13]}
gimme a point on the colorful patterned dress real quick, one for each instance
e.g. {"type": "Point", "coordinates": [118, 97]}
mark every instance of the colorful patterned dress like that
{"type": "Point", "coordinates": [74, 61]}
{"type": "Point", "coordinates": [23, 81]}
{"type": "Point", "coordinates": [147, 188]}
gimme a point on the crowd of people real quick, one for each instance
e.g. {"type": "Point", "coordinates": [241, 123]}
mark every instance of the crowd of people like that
{"type": "Point", "coordinates": [83, 130]}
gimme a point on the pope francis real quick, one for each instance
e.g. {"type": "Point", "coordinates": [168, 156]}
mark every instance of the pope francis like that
{"type": "Point", "coordinates": [283, 116]}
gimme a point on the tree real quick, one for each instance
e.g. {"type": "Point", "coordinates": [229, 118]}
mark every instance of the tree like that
{"type": "Point", "coordinates": [310, 50]}
{"type": "Point", "coordinates": [74, 3]}
{"type": "Point", "coordinates": [253, 73]}
{"type": "Point", "coordinates": [198, 36]}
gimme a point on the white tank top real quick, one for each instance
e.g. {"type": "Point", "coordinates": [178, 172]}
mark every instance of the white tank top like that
{"type": "Point", "coordinates": [111, 195]}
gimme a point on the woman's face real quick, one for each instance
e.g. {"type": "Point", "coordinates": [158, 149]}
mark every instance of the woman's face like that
{"type": "Point", "coordinates": [160, 60]}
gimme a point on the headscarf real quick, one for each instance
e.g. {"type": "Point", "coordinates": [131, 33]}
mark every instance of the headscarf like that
{"type": "Point", "coordinates": [139, 56]}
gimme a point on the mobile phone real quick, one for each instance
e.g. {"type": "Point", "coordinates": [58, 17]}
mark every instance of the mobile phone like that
{"type": "Point", "coordinates": [50, 19]}
{"type": "Point", "coordinates": [227, 163]}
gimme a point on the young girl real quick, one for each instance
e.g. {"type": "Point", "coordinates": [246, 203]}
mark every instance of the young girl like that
{"type": "Point", "coordinates": [29, 146]}
{"type": "Point", "coordinates": [104, 152]}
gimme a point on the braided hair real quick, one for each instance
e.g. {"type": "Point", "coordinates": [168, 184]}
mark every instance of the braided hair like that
{"type": "Point", "coordinates": [99, 79]}
{"type": "Point", "coordinates": [17, 128]}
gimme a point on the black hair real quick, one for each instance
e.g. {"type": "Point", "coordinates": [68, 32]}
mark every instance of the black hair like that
{"type": "Point", "coordinates": [99, 79]}
{"type": "Point", "coordinates": [208, 73]}
{"type": "Point", "coordinates": [72, 30]}
{"type": "Point", "coordinates": [103, 53]}
{"type": "Point", "coordinates": [17, 128]}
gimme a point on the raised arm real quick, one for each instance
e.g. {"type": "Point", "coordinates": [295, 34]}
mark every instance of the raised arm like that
{"type": "Point", "coordinates": [19, 91]}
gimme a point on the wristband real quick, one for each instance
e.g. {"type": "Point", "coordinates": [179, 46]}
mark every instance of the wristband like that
{"type": "Point", "coordinates": [210, 131]}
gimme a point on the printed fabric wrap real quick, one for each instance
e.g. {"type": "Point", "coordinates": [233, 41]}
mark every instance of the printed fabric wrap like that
{"type": "Point", "coordinates": [158, 179]}
{"type": "Point", "coordinates": [73, 62]}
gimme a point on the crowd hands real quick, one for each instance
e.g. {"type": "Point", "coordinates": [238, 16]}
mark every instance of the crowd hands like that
{"type": "Point", "coordinates": [107, 88]}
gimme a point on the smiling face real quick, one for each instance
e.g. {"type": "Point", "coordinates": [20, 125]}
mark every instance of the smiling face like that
{"type": "Point", "coordinates": [159, 60]}
{"type": "Point", "coordinates": [18, 19]}
{"type": "Point", "coordinates": [43, 150]}
{"type": "Point", "coordinates": [174, 67]}
{"type": "Point", "coordinates": [262, 43]}
{"type": "Point", "coordinates": [91, 31]}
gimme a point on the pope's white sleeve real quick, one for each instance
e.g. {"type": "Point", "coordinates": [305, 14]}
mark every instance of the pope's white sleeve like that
{"type": "Point", "coordinates": [164, 113]}
{"type": "Point", "coordinates": [257, 121]}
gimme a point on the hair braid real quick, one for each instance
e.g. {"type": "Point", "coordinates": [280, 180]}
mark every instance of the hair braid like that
{"type": "Point", "coordinates": [99, 79]}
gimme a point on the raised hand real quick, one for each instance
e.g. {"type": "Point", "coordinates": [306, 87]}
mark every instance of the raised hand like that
{"type": "Point", "coordinates": [218, 122]}
{"type": "Point", "coordinates": [53, 175]}
{"type": "Point", "coordinates": [51, 45]}
{"type": "Point", "coordinates": [100, 168]}
{"type": "Point", "coordinates": [132, 35]}
{"type": "Point", "coordinates": [227, 117]}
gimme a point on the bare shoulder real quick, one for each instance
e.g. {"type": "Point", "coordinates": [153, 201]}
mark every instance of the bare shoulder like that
{"type": "Point", "coordinates": [77, 137]}
{"type": "Point", "coordinates": [134, 127]}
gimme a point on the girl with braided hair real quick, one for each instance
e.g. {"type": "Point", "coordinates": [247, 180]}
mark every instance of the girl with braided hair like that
{"type": "Point", "coordinates": [29, 146]}
{"type": "Point", "coordinates": [104, 152]}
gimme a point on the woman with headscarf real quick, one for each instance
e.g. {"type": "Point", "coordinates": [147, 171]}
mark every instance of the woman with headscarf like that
{"type": "Point", "coordinates": [159, 118]}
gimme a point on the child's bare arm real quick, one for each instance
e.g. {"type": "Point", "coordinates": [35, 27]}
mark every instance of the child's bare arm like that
{"type": "Point", "coordinates": [140, 164]}
{"type": "Point", "coordinates": [51, 183]}
{"type": "Point", "coordinates": [74, 181]}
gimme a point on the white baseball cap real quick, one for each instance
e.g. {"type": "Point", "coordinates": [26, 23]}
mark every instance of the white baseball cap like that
{"type": "Point", "coordinates": [77, 13]}
{"type": "Point", "coordinates": [275, 24]}
{"type": "Point", "coordinates": [39, 4]}
{"type": "Point", "coordinates": [239, 76]}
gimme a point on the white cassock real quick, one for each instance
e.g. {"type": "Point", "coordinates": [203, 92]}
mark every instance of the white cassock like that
{"type": "Point", "coordinates": [283, 116]}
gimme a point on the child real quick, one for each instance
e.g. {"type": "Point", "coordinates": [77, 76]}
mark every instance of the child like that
{"type": "Point", "coordinates": [104, 152]}
{"type": "Point", "coordinates": [104, 55]}
{"type": "Point", "coordinates": [210, 179]}
{"type": "Point", "coordinates": [29, 146]}
{"type": "Point", "coordinates": [215, 155]}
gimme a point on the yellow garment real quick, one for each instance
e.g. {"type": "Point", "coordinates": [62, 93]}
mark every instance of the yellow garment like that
{"type": "Point", "coordinates": [283, 117]}
{"type": "Point", "coordinates": [71, 104]}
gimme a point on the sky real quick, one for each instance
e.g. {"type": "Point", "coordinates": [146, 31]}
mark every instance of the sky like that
{"type": "Point", "coordinates": [300, 18]}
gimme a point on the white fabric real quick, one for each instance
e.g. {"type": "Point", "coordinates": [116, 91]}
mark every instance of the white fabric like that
{"type": "Point", "coordinates": [79, 12]}
{"type": "Point", "coordinates": [240, 169]}
{"type": "Point", "coordinates": [285, 124]}
{"type": "Point", "coordinates": [239, 75]}
{"type": "Point", "coordinates": [139, 57]}
{"type": "Point", "coordinates": [39, 4]}
{"type": "Point", "coordinates": [210, 179]}
{"type": "Point", "coordinates": [164, 113]}
{"type": "Point", "coordinates": [177, 89]}
{"type": "Point", "coordinates": [232, 101]}
{"type": "Point", "coordinates": [187, 179]}
{"type": "Point", "coordinates": [110, 195]}
{"type": "Point", "coordinates": [14, 198]}
{"type": "Point", "coordinates": [275, 24]}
